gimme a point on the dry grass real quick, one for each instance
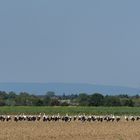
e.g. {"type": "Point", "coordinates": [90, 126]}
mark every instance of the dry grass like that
{"type": "Point", "coordinates": [69, 131]}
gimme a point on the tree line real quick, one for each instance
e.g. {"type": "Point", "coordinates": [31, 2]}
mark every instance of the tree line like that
{"type": "Point", "coordinates": [82, 99]}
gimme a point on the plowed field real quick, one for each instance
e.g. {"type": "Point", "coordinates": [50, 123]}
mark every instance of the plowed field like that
{"type": "Point", "coordinates": [70, 131]}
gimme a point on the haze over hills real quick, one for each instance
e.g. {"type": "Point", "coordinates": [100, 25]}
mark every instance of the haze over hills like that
{"type": "Point", "coordinates": [67, 88]}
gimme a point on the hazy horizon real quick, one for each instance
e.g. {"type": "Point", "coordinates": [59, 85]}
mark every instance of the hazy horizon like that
{"type": "Point", "coordinates": [67, 88]}
{"type": "Point", "coordinates": [77, 41]}
{"type": "Point", "coordinates": [67, 83]}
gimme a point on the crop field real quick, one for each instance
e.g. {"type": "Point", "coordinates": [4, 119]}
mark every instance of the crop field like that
{"type": "Point", "coordinates": [69, 131]}
{"type": "Point", "coordinates": [72, 110]}
{"type": "Point", "coordinates": [74, 130]}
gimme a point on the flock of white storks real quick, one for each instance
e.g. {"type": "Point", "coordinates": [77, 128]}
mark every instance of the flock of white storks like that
{"type": "Point", "coordinates": [67, 118]}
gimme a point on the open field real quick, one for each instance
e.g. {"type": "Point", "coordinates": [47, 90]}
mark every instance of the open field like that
{"type": "Point", "coordinates": [74, 130]}
{"type": "Point", "coordinates": [70, 110]}
{"type": "Point", "coordinates": [70, 131]}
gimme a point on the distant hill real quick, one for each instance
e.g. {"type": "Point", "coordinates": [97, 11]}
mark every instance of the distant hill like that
{"type": "Point", "coordinates": [67, 88]}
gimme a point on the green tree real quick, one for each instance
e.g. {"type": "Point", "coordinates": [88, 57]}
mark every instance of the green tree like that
{"type": "Point", "coordinates": [3, 95]}
{"type": "Point", "coordinates": [38, 102]}
{"type": "Point", "coordinates": [50, 94]}
{"type": "Point", "coordinates": [12, 95]}
{"type": "Point", "coordinates": [112, 101]}
{"type": "Point", "coordinates": [23, 99]}
{"type": "Point", "coordinates": [83, 99]}
{"type": "Point", "coordinates": [129, 102]}
{"type": "Point", "coordinates": [46, 101]}
{"type": "Point", "coordinates": [96, 99]}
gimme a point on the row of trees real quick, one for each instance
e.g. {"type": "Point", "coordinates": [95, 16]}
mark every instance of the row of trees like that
{"type": "Point", "coordinates": [26, 99]}
{"type": "Point", "coordinates": [100, 100]}
{"type": "Point", "coordinates": [50, 99]}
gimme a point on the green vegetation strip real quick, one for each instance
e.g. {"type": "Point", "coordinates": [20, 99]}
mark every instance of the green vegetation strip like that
{"type": "Point", "coordinates": [70, 110]}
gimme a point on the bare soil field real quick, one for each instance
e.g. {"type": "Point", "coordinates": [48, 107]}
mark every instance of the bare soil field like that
{"type": "Point", "coordinates": [70, 131]}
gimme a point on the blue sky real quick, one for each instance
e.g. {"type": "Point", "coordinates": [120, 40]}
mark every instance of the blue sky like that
{"type": "Point", "coordinates": [72, 41]}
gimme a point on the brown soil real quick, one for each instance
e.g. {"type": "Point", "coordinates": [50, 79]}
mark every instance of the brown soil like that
{"type": "Point", "coordinates": [70, 131]}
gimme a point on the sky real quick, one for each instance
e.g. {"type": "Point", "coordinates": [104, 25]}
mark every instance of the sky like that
{"type": "Point", "coordinates": [70, 41]}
